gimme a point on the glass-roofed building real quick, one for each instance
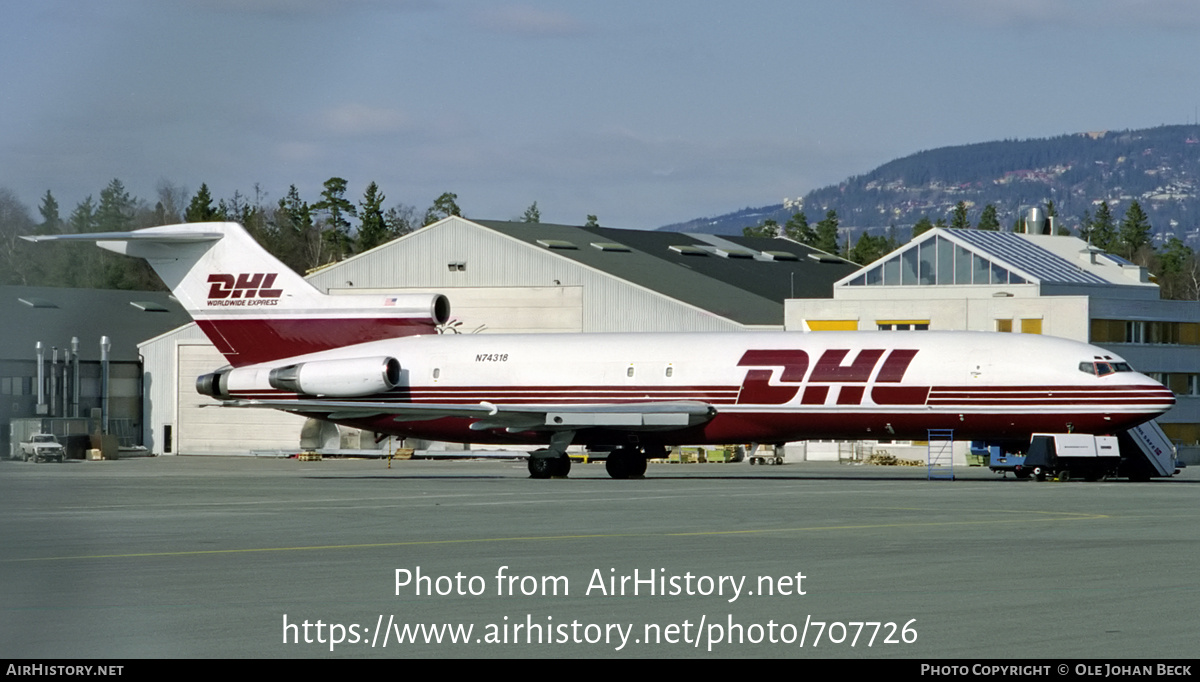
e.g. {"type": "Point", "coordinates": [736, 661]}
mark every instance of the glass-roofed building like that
{"type": "Point", "coordinates": [1024, 283]}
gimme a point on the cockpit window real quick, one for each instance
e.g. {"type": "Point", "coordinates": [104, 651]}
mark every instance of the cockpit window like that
{"type": "Point", "coordinates": [1103, 368]}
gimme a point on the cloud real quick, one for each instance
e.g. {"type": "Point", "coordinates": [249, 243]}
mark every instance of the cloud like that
{"type": "Point", "coordinates": [1065, 15]}
{"type": "Point", "coordinates": [363, 119]}
{"type": "Point", "coordinates": [306, 8]}
{"type": "Point", "coordinates": [529, 22]}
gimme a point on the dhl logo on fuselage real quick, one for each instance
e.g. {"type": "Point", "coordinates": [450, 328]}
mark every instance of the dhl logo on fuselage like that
{"type": "Point", "coordinates": [246, 289]}
{"type": "Point", "coordinates": [829, 370]}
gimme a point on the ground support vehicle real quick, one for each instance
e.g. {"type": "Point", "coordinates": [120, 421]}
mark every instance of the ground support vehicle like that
{"type": "Point", "coordinates": [1072, 455]}
{"type": "Point", "coordinates": [42, 447]}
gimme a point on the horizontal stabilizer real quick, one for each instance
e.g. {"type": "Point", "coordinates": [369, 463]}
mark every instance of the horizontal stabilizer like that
{"type": "Point", "coordinates": [173, 237]}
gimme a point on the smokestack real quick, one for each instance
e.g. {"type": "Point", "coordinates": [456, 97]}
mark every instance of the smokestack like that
{"type": "Point", "coordinates": [75, 376]}
{"type": "Point", "coordinates": [41, 378]}
{"type": "Point", "coordinates": [105, 345]}
{"type": "Point", "coordinates": [53, 380]}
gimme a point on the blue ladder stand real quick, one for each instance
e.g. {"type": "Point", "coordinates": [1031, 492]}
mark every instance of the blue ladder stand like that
{"type": "Point", "coordinates": [939, 454]}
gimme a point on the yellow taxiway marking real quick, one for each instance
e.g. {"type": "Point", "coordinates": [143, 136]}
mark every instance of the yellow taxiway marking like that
{"type": "Point", "coordinates": [1040, 517]}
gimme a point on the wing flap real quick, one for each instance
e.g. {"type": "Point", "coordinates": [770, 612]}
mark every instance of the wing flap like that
{"type": "Point", "coordinates": [634, 416]}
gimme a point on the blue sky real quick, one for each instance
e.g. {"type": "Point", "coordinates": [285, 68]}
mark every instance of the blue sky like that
{"type": "Point", "coordinates": [643, 113]}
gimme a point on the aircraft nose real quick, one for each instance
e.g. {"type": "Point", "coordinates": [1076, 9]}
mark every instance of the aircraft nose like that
{"type": "Point", "coordinates": [1154, 392]}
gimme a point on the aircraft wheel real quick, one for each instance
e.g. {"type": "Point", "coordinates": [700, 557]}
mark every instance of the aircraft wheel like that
{"type": "Point", "coordinates": [1064, 475]}
{"type": "Point", "coordinates": [1039, 473]}
{"type": "Point", "coordinates": [547, 467]}
{"type": "Point", "coordinates": [625, 463]}
{"type": "Point", "coordinates": [562, 466]}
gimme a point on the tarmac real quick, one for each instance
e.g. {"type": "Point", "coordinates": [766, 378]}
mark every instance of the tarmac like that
{"type": "Point", "coordinates": [239, 557]}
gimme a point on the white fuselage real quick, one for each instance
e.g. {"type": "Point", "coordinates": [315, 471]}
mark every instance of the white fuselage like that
{"type": "Point", "coordinates": [766, 386]}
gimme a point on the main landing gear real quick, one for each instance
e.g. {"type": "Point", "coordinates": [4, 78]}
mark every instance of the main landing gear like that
{"type": "Point", "coordinates": [622, 462]}
{"type": "Point", "coordinates": [552, 462]}
{"type": "Point", "coordinates": [625, 463]}
{"type": "Point", "coordinates": [630, 462]}
{"type": "Point", "coordinates": [548, 464]}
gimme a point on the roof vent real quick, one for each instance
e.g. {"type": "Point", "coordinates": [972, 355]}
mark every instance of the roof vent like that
{"type": "Point", "coordinates": [556, 244]}
{"type": "Point", "coordinates": [149, 306]}
{"type": "Point", "coordinates": [688, 250]}
{"type": "Point", "coordinates": [733, 253]}
{"type": "Point", "coordinates": [826, 258]}
{"type": "Point", "coordinates": [611, 246]}
{"type": "Point", "coordinates": [38, 302]}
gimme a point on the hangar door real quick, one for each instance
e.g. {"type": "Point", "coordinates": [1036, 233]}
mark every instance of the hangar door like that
{"type": "Point", "coordinates": [223, 431]}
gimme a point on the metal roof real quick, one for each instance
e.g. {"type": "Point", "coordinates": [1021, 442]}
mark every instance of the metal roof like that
{"type": "Point", "coordinates": [54, 315]}
{"type": "Point", "coordinates": [743, 279]}
{"type": "Point", "coordinates": [1018, 251]}
{"type": "Point", "coordinates": [1017, 258]}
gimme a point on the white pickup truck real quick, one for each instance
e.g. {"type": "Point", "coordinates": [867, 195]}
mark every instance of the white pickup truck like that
{"type": "Point", "coordinates": [42, 447]}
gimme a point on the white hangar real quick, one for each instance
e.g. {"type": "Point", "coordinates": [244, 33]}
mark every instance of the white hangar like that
{"type": "Point", "coordinates": [506, 277]}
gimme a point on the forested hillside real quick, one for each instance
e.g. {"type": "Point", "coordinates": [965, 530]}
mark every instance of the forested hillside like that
{"type": "Point", "coordinates": [1158, 167]}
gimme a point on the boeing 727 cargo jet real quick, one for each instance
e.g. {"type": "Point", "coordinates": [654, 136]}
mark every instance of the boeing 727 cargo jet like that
{"type": "Point", "coordinates": [376, 362]}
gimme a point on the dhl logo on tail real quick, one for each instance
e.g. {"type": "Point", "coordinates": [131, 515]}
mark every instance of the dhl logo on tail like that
{"type": "Point", "coordinates": [228, 290]}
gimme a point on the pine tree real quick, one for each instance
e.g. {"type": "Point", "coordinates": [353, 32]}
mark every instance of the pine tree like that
{"type": "Point", "coordinates": [768, 228]}
{"type": "Point", "coordinates": [51, 222]}
{"type": "Point", "coordinates": [988, 219]}
{"type": "Point", "coordinates": [959, 221]}
{"type": "Point", "coordinates": [532, 214]}
{"type": "Point", "coordinates": [336, 207]}
{"type": "Point", "coordinates": [201, 210]}
{"type": "Point", "coordinates": [869, 249]}
{"type": "Point", "coordinates": [294, 236]}
{"type": "Point", "coordinates": [923, 225]}
{"type": "Point", "coordinates": [1135, 231]}
{"type": "Point", "coordinates": [797, 229]}
{"type": "Point", "coordinates": [1103, 231]}
{"type": "Point", "coordinates": [372, 230]}
{"type": "Point", "coordinates": [827, 233]}
{"type": "Point", "coordinates": [115, 212]}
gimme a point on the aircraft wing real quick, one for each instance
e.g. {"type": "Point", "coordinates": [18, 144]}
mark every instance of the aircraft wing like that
{"type": "Point", "coordinates": [650, 416]}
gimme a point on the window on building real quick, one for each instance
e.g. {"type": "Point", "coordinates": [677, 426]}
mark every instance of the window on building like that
{"type": "Point", "coordinates": [1031, 326]}
{"type": "Point", "coordinates": [1139, 331]}
{"type": "Point", "coordinates": [1004, 325]}
{"type": "Point", "coordinates": [937, 261]}
{"type": "Point", "coordinates": [902, 325]}
{"type": "Point", "coordinates": [1178, 383]}
{"type": "Point", "coordinates": [1135, 332]}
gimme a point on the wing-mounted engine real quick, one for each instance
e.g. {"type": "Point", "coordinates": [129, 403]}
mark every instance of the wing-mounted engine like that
{"type": "Point", "coordinates": [347, 378]}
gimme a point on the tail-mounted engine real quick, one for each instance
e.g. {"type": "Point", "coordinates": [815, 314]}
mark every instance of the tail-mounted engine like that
{"type": "Point", "coordinates": [349, 378]}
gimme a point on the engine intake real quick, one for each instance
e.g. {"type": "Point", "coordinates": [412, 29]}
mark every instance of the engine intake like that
{"type": "Point", "coordinates": [350, 378]}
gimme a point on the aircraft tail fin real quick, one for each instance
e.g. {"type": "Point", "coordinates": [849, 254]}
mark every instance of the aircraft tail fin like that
{"type": "Point", "coordinates": [251, 306]}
